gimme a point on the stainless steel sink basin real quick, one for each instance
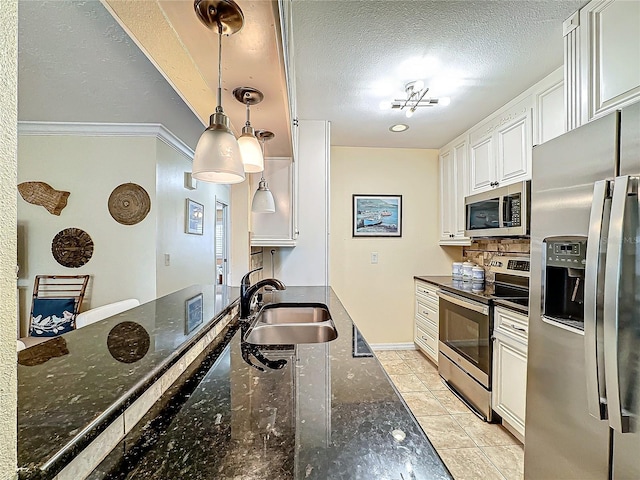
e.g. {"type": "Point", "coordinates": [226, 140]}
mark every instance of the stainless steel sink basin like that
{"type": "Point", "coordinates": [285, 334]}
{"type": "Point", "coordinates": [278, 313]}
{"type": "Point", "coordinates": [292, 323]}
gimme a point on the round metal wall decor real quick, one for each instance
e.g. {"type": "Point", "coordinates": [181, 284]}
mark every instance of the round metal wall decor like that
{"type": "Point", "coordinates": [129, 204]}
{"type": "Point", "coordinates": [72, 247]}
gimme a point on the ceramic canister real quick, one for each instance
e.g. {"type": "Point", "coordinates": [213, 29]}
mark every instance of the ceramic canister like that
{"type": "Point", "coordinates": [477, 274]}
{"type": "Point", "coordinates": [467, 268]}
{"type": "Point", "coordinates": [456, 270]}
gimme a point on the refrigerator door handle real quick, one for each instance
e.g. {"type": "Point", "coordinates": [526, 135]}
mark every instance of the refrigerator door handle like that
{"type": "Point", "coordinates": [596, 400]}
{"type": "Point", "coordinates": [622, 187]}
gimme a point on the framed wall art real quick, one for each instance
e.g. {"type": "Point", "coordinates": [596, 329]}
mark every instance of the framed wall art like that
{"type": "Point", "coordinates": [193, 313]}
{"type": "Point", "coordinates": [377, 215]}
{"type": "Point", "coordinates": [194, 218]}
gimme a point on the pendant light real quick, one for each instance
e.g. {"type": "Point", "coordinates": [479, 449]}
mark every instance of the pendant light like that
{"type": "Point", "coordinates": [263, 201]}
{"type": "Point", "coordinates": [252, 157]}
{"type": "Point", "coordinates": [217, 157]}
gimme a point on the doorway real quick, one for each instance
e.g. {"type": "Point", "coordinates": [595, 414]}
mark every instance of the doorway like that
{"type": "Point", "coordinates": [222, 245]}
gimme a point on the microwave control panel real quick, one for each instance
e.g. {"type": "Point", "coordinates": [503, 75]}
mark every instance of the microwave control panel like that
{"type": "Point", "coordinates": [514, 200]}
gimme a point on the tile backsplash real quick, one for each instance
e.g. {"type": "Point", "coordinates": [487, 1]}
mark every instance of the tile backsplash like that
{"type": "Point", "coordinates": [482, 251]}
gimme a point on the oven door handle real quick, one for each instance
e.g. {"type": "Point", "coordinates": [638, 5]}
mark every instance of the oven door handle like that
{"type": "Point", "coordinates": [464, 302]}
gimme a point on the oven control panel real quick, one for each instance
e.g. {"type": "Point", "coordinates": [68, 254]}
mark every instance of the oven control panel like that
{"type": "Point", "coordinates": [511, 265]}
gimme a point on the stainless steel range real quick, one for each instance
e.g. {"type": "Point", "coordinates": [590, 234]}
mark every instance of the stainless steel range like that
{"type": "Point", "coordinates": [466, 325]}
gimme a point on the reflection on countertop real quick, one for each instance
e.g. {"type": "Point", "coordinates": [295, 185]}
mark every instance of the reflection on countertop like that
{"type": "Point", "coordinates": [71, 387]}
{"type": "Point", "coordinates": [325, 411]}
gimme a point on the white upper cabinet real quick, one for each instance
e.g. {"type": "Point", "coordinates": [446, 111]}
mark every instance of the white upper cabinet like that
{"type": "Point", "coordinates": [602, 59]}
{"type": "Point", "coordinates": [453, 189]}
{"type": "Point", "coordinates": [549, 111]}
{"type": "Point", "coordinates": [286, 30]}
{"type": "Point", "coordinates": [500, 148]}
{"type": "Point", "coordinates": [276, 229]}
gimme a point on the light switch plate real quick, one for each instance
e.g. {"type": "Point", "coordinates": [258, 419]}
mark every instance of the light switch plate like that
{"type": "Point", "coordinates": [374, 257]}
{"type": "Point", "coordinates": [167, 259]}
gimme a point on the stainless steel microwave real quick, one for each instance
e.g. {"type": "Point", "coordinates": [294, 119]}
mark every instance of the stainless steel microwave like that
{"type": "Point", "coordinates": [501, 212]}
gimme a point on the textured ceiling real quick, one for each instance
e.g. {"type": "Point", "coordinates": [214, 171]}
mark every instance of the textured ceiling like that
{"type": "Point", "coordinates": [82, 65]}
{"type": "Point", "coordinates": [351, 55]}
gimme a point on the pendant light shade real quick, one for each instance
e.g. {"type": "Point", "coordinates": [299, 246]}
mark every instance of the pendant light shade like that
{"type": "Point", "coordinates": [217, 157]}
{"type": "Point", "coordinates": [263, 201]}
{"type": "Point", "coordinates": [251, 153]}
{"type": "Point", "coordinates": [252, 156]}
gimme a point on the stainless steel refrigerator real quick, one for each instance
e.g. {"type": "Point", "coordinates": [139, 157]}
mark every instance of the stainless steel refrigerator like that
{"type": "Point", "coordinates": [583, 378]}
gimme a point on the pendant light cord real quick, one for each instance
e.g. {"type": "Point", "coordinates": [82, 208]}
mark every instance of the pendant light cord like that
{"type": "Point", "coordinates": [219, 106]}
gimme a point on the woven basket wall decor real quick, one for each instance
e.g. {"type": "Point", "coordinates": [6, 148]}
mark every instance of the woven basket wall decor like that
{"type": "Point", "coordinates": [43, 194]}
{"type": "Point", "coordinates": [72, 247]}
{"type": "Point", "coordinates": [129, 204]}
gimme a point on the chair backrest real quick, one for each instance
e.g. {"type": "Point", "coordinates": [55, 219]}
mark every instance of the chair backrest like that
{"type": "Point", "coordinates": [60, 286]}
{"type": "Point", "coordinates": [105, 311]}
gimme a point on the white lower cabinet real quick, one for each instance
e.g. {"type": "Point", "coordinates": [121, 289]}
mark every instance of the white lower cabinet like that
{"type": "Point", "coordinates": [509, 382]}
{"type": "Point", "coordinates": [426, 319]}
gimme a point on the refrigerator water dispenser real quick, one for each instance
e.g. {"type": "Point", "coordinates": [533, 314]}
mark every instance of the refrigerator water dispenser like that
{"type": "Point", "coordinates": [563, 292]}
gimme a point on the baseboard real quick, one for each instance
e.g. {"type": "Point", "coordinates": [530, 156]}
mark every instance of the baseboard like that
{"type": "Point", "coordinates": [393, 346]}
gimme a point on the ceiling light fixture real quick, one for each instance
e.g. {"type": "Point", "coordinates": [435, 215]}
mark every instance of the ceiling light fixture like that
{"type": "Point", "coordinates": [416, 97]}
{"type": "Point", "coordinates": [249, 147]}
{"type": "Point", "coordinates": [263, 201]}
{"type": "Point", "coordinates": [217, 157]}
{"type": "Point", "coordinates": [400, 127]}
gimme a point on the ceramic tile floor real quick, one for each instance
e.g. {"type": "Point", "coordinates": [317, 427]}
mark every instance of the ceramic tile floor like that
{"type": "Point", "coordinates": [471, 449]}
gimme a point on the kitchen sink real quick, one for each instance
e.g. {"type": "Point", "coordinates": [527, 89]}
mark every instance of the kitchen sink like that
{"type": "Point", "coordinates": [278, 313]}
{"type": "Point", "coordinates": [292, 323]}
{"type": "Point", "coordinates": [292, 333]}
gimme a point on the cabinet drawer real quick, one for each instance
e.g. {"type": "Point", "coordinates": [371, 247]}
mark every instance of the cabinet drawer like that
{"type": "Point", "coordinates": [427, 340]}
{"type": "Point", "coordinates": [511, 323]}
{"type": "Point", "coordinates": [427, 291]}
{"type": "Point", "coordinates": [427, 313]}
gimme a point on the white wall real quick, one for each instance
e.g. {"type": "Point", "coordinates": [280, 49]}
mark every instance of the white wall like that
{"type": "Point", "coordinates": [8, 155]}
{"type": "Point", "coordinates": [380, 297]}
{"type": "Point", "coordinates": [307, 263]}
{"type": "Point", "coordinates": [128, 260]}
{"type": "Point", "coordinates": [192, 257]}
{"type": "Point", "coordinates": [123, 261]}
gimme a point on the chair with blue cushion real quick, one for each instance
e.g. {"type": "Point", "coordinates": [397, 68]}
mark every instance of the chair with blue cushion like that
{"type": "Point", "coordinates": [56, 302]}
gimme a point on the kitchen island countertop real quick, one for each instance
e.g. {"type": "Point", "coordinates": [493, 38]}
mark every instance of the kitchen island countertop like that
{"type": "Point", "coordinates": [330, 412]}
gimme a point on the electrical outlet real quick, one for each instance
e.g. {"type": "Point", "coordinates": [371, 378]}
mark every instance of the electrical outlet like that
{"type": "Point", "coordinates": [167, 259]}
{"type": "Point", "coordinates": [374, 257]}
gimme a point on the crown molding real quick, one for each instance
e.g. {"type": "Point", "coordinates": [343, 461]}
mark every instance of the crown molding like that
{"type": "Point", "coordinates": [107, 130]}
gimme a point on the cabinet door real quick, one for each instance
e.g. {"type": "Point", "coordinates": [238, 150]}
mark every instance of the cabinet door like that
{"type": "Point", "coordinates": [510, 382]}
{"type": "Point", "coordinates": [514, 145]}
{"type": "Point", "coordinates": [549, 113]}
{"type": "Point", "coordinates": [275, 229]}
{"type": "Point", "coordinates": [462, 190]}
{"type": "Point", "coordinates": [447, 196]}
{"type": "Point", "coordinates": [482, 164]}
{"type": "Point", "coordinates": [609, 56]}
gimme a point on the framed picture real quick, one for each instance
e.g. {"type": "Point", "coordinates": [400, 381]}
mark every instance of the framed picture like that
{"type": "Point", "coordinates": [193, 313]}
{"type": "Point", "coordinates": [360, 347]}
{"type": "Point", "coordinates": [377, 215]}
{"type": "Point", "coordinates": [194, 218]}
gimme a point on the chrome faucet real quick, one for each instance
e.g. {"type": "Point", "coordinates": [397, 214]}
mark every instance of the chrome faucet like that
{"type": "Point", "coordinates": [247, 291]}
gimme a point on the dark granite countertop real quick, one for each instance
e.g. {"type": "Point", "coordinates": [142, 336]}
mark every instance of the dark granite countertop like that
{"type": "Point", "coordinates": [485, 295]}
{"type": "Point", "coordinates": [434, 279]}
{"type": "Point", "coordinates": [330, 413]}
{"type": "Point", "coordinates": [71, 387]}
